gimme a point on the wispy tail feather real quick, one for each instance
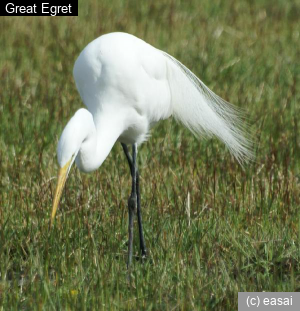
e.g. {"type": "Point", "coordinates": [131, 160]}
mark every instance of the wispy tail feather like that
{"type": "Point", "coordinates": [205, 113]}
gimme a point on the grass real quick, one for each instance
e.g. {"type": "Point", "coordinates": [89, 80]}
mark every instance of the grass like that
{"type": "Point", "coordinates": [243, 230]}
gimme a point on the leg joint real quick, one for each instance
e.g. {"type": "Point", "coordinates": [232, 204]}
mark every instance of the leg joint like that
{"type": "Point", "coordinates": [132, 203]}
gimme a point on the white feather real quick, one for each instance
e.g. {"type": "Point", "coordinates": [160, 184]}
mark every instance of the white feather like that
{"type": "Point", "coordinates": [128, 86]}
{"type": "Point", "coordinates": [205, 113]}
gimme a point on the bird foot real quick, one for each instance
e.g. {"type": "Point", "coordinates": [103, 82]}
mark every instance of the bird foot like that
{"type": "Point", "coordinates": [144, 254]}
{"type": "Point", "coordinates": [143, 258]}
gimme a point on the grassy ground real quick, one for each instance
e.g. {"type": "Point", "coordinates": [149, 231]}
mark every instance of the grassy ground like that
{"type": "Point", "coordinates": [243, 230]}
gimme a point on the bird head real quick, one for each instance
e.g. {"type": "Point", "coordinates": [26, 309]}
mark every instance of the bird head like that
{"type": "Point", "coordinates": [70, 142]}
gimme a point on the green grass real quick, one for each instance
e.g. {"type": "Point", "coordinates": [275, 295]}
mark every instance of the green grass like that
{"type": "Point", "coordinates": [243, 229]}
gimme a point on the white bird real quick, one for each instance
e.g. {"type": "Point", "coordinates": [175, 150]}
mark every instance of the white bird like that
{"type": "Point", "coordinates": [127, 86]}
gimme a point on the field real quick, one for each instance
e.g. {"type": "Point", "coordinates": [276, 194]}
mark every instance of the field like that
{"type": "Point", "coordinates": [211, 227]}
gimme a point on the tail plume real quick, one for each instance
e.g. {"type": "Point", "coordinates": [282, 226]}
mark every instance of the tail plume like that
{"type": "Point", "coordinates": [205, 113]}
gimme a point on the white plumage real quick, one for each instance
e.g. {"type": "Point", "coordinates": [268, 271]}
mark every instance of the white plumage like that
{"type": "Point", "coordinates": [127, 86]}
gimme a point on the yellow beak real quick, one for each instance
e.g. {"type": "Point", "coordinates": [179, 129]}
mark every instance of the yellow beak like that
{"type": "Point", "coordinates": [61, 180]}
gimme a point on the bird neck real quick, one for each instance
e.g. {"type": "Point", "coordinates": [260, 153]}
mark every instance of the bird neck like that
{"type": "Point", "coordinates": [96, 147]}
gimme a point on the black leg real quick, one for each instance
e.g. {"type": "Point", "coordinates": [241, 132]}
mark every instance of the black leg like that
{"type": "Point", "coordinates": [132, 202]}
{"type": "Point", "coordinates": [131, 207]}
{"type": "Point", "coordinates": [138, 197]}
{"type": "Point", "coordinates": [128, 156]}
{"type": "Point", "coordinates": [139, 215]}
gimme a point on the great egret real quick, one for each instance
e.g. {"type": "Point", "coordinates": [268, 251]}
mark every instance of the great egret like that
{"type": "Point", "coordinates": [127, 86]}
